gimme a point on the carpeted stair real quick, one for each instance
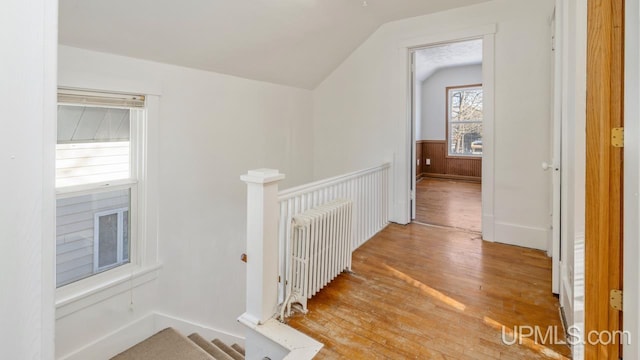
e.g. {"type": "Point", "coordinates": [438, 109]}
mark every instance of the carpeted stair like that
{"type": "Point", "coordinates": [169, 344]}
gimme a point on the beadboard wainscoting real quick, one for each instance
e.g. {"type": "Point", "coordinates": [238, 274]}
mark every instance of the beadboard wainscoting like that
{"type": "Point", "coordinates": [444, 166]}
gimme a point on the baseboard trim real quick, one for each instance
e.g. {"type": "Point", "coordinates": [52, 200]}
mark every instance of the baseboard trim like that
{"type": "Point", "coordinates": [473, 179]}
{"type": "Point", "coordinates": [519, 235]}
{"type": "Point", "coordinates": [116, 341]}
{"type": "Point", "coordinates": [566, 293]}
{"type": "Point", "coordinates": [136, 331]}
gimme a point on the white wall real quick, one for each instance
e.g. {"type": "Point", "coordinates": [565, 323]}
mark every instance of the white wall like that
{"type": "Point", "coordinates": [27, 98]}
{"type": "Point", "coordinates": [211, 128]}
{"type": "Point", "coordinates": [434, 97]}
{"type": "Point", "coordinates": [360, 117]}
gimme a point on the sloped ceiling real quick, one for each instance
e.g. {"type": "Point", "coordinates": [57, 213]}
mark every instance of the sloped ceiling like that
{"type": "Point", "coordinates": [432, 59]}
{"type": "Point", "coordinates": [290, 42]}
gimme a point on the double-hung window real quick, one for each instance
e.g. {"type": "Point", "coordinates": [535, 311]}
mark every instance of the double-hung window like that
{"type": "Point", "coordinates": [99, 158]}
{"type": "Point", "coordinates": [464, 120]}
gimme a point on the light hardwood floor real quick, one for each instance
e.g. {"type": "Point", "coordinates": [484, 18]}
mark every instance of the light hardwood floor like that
{"type": "Point", "coordinates": [422, 292]}
{"type": "Point", "coordinates": [450, 203]}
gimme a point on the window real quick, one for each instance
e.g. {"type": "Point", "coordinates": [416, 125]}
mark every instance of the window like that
{"type": "Point", "coordinates": [464, 120]}
{"type": "Point", "coordinates": [98, 162]}
{"type": "Point", "coordinates": [111, 238]}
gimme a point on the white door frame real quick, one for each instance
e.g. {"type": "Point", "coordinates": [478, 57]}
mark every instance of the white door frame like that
{"type": "Point", "coordinates": [406, 149]}
{"type": "Point", "coordinates": [553, 247]}
{"type": "Point", "coordinates": [631, 271]}
{"type": "Point", "coordinates": [414, 172]}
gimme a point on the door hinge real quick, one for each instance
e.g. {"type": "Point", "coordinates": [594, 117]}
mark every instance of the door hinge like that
{"type": "Point", "coordinates": [615, 299]}
{"type": "Point", "coordinates": [617, 137]}
{"type": "Point", "coordinates": [412, 194]}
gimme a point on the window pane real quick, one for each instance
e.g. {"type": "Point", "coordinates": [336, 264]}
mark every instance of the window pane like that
{"type": "Point", "coordinates": [465, 139]}
{"type": "Point", "coordinates": [466, 104]}
{"type": "Point", "coordinates": [93, 145]}
{"type": "Point", "coordinates": [465, 121]}
{"type": "Point", "coordinates": [107, 240]}
{"type": "Point", "coordinates": [76, 250]}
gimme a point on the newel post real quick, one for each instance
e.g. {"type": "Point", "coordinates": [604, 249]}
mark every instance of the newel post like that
{"type": "Point", "coordinates": [262, 244]}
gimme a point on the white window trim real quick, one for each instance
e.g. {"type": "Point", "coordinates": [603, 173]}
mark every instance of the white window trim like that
{"type": "Point", "coordinates": [450, 122]}
{"type": "Point", "coordinates": [119, 240]}
{"type": "Point", "coordinates": [144, 266]}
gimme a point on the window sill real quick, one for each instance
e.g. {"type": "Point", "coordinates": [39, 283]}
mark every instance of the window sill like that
{"type": "Point", "coordinates": [84, 293]}
{"type": "Point", "coordinates": [465, 157]}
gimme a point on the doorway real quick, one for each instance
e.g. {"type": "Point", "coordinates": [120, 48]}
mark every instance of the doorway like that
{"type": "Point", "coordinates": [447, 142]}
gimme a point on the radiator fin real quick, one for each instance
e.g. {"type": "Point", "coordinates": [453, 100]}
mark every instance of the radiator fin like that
{"type": "Point", "coordinates": [320, 247]}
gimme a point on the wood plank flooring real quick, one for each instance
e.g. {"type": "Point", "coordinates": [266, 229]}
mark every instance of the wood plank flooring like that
{"type": "Point", "coordinates": [422, 292]}
{"type": "Point", "coordinates": [449, 203]}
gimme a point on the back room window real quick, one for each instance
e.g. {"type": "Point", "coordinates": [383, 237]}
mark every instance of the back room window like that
{"type": "Point", "coordinates": [464, 120]}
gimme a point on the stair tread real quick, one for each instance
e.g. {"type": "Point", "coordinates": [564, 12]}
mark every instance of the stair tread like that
{"type": "Point", "coordinates": [167, 344]}
{"type": "Point", "coordinates": [238, 348]}
{"type": "Point", "coordinates": [211, 348]}
{"type": "Point", "coordinates": [228, 349]}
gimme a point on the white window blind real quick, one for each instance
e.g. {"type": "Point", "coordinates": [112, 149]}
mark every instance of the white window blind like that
{"type": "Point", "coordinates": [79, 97]}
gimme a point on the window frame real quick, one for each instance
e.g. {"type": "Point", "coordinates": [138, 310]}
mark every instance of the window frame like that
{"type": "Point", "coordinates": [145, 268]}
{"type": "Point", "coordinates": [137, 172]}
{"type": "Point", "coordinates": [119, 212]}
{"type": "Point", "coordinates": [449, 123]}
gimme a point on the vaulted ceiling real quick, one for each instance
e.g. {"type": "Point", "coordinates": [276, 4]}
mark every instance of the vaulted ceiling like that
{"type": "Point", "coordinates": [291, 42]}
{"type": "Point", "coordinates": [434, 58]}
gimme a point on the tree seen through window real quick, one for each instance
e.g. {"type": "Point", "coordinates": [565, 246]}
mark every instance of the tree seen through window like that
{"type": "Point", "coordinates": [464, 117]}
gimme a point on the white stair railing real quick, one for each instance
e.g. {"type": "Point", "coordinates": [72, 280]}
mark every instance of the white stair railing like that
{"type": "Point", "coordinates": [269, 215]}
{"type": "Point", "coordinates": [369, 191]}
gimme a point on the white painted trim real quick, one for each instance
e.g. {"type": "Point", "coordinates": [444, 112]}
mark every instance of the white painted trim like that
{"type": "Point", "coordinates": [488, 226]}
{"type": "Point", "coordinates": [488, 141]}
{"type": "Point", "coordinates": [631, 271]}
{"type": "Point", "coordinates": [553, 249]}
{"type": "Point", "coordinates": [306, 188]}
{"type": "Point", "coordinates": [123, 338]}
{"type": "Point", "coordinates": [578, 272]}
{"type": "Point", "coordinates": [406, 160]}
{"type": "Point", "coordinates": [88, 189]}
{"type": "Point", "coordinates": [566, 181]}
{"type": "Point", "coordinates": [49, 17]}
{"type": "Point", "coordinates": [414, 137]}
{"type": "Point", "coordinates": [299, 345]}
{"type": "Point", "coordinates": [465, 34]}
{"type": "Point", "coordinates": [566, 295]}
{"type": "Point", "coordinates": [75, 297]}
{"type": "Point", "coordinates": [578, 293]}
{"type": "Point", "coordinates": [525, 236]}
